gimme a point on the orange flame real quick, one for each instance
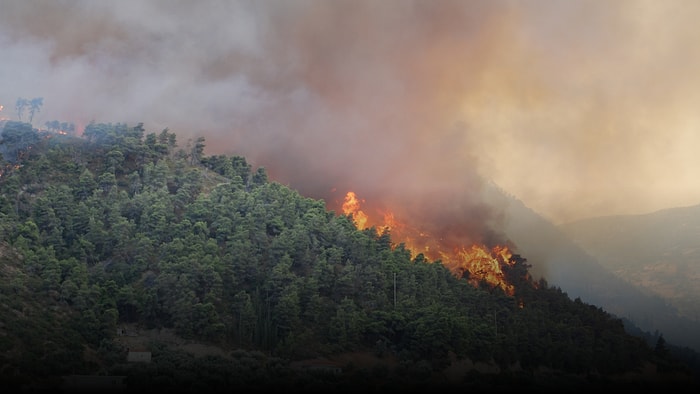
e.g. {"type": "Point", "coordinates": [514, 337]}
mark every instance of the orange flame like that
{"type": "Point", "coordinates": [483, 265]}
{"type": "Point", "coordinates": [480, 263]}
{"type": "Point", "coordinates": [351, 207]}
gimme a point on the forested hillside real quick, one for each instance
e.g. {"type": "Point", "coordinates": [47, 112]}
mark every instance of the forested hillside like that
{"type": "Point", "coordinates": [124, 226]}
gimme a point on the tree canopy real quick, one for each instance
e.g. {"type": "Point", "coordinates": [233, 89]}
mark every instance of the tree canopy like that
{"type": "Point", "coordinates": [123, 226]}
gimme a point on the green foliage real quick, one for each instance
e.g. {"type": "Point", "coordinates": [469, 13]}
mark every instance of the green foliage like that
{"type": "Point", "coordinates": [210, 247]}
{"type": "Point", "coordinates": [17, 139]}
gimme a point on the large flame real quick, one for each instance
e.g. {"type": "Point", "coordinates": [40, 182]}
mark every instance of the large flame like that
{"type": "Point", "coordinates": [351, 207]}
{"type": "Point", "coordinates": [477, 262]}
{"type": "Point", "coordinates": [483, 264]}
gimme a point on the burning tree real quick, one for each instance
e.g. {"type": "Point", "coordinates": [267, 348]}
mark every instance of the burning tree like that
{"type": "Point", "coordinates": [479, 264]}
{"type": "Point", "coordinates": [60, 127]}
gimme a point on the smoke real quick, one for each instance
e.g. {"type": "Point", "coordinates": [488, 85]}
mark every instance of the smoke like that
{"type": "Point", "coordinates": [577, 108]}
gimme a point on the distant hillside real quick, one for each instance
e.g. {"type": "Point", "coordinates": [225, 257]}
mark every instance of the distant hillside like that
{"type": "Point", "coordinates": [580, 272]}
{"type": "Point", "coordinates": [659, 252]}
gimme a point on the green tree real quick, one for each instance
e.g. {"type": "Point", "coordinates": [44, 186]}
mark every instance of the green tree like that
{"type": "Point", "coordinates": [245, 317]}
{"type": "Point", "coordinates": [660, 348]}
{"type": "Point", "coordinates": [197, 150]}
{"type": "Point", "coordinates": [86, 185]}
{"type": "Point", "coordinates": [206, 322]}
{"type": "Point", "coordinates": [35, 105]}
{"type": "Point", "coordinates": [20, 106]}
{"type": "Point", "coordinates": [16, 140]}
{"type": "Point", "coordinates": [347, 325]}
{"type": "Point", "coordinates": [114, 160]}
{"type": "Point", "coordinates": [260, 177]}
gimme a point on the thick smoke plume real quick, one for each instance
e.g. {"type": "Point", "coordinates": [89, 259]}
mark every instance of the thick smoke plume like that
{"type": "Point", "coordinates": [578, 108]}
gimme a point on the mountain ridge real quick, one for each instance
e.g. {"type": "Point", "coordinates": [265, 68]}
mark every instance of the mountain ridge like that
{"type": "Point", "coordinates": [658, 251]}
{"type": "Point", "coordinates": [565, 263]}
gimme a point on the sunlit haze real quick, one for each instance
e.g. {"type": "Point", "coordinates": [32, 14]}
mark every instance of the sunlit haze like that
{"type": "Point", "coordinates": [577, 108]}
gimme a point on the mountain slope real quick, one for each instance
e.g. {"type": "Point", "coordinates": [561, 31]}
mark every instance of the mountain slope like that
{"type": "Point", "coordinates": [659, 252]}
{"type": "Point", "coordinates": [121, 227]}
{"type": "Point", "coordinates": [566, 264]}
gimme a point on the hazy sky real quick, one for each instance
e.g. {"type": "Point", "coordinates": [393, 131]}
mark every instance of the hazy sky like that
{"type": "Point", "coordinates": [577, 108]}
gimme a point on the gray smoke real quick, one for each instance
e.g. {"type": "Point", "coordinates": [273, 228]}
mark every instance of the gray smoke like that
{"type": "Point", "coordinates": [578, 108]}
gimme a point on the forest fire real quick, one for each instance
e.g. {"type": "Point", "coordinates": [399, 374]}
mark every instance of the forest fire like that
{"type": "Point", "coordinates": [351, 206]}
{"type": "Point", "coordinates": [477, 263]}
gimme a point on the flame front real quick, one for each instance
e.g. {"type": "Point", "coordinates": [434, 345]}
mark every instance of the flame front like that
{"type": "Point", "coordinates": [483, 264]}
{"type": "Point", "coordinates": [477, 262]}
{"type": "Point", "coordinates": [351, 207]}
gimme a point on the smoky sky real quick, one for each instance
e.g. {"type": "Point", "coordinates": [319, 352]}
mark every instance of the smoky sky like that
{"type": "Point", "coordinates": [578, 108]}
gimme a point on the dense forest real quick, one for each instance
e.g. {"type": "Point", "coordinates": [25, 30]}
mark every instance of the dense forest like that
{"type": "Point", "coordinates": [121, 226]}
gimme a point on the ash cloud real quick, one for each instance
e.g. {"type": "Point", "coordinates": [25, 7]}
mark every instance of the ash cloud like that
{"type": "Point", "coordinates": [577, 108]}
